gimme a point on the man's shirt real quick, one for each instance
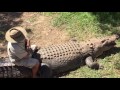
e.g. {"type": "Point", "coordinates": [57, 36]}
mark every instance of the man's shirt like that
{"type": "Point", "coordinates": [16, 51]}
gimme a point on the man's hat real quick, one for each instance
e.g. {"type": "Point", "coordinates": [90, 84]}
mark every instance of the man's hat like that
{"type": "Point", "coordinates": [16, 34]}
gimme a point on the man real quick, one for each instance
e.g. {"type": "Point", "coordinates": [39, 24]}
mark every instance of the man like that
{"type": "Point", "coordinates": [19, 50]}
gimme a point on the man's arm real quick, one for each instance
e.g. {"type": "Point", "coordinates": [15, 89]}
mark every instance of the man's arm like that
{"type": "Point", "coordinates": [27, 44]}
{"type": "Point", "coordinates": [26, 56]}
{"type": "Point", "coordinates": [19, 52]}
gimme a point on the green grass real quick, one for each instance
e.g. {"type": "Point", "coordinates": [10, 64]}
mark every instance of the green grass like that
{"type": "Point", "coordinates": [85, 25]}
{"type": "Point", "coordinates": [77, 24]}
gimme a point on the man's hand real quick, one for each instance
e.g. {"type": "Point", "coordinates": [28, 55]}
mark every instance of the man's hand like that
{"type": "Point", "coordinates": [27, 45]}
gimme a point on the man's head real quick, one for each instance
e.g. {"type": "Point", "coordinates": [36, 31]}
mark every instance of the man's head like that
{"type": "Point", "coordinates": [16, 34]}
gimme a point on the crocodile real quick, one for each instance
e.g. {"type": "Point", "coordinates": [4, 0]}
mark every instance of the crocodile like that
{"type": "Point", "coordinates": [72, 55]}
{"type": "Point", "coordinates": [60, 58]}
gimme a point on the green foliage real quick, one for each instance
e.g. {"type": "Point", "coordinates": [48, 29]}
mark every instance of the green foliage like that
{"type": "Point", "coordinates": [78, 24]}
{"type": "Point", "coordinates": [87, 24]}
{"type": "Point", "coordinates": [109, 21]}
{"type": "Point", "coordinates": [117, 64]}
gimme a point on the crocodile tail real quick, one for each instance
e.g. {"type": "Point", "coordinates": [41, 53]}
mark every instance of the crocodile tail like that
{"type": "Point", "coordinates": [15, 72]}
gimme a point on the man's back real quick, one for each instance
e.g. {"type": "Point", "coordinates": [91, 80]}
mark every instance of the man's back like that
{"type": "Point", "coordinates": [16, 51]}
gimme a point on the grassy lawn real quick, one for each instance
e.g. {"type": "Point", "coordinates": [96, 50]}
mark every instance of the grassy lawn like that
{"type": "Point", "coordinates": [85, 25]}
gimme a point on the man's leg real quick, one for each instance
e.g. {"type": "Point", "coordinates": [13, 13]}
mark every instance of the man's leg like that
{"type": "Point", "coordinates": [35, 70]}
{"type": "Point", "coordinates": [30, 63]}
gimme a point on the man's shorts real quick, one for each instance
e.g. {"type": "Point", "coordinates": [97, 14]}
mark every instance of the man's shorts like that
{"type": "Point", "coordinates": [30, 62]}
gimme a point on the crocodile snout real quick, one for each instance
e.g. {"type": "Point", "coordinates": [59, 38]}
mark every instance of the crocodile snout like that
{"type": "Point", "coordinates": [111, 44]}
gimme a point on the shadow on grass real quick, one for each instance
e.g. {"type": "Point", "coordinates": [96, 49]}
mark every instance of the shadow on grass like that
{"type": "Point", "coordinates": [113, 50]}
{"type": "Point", "coordinates": [109, 21]}
{"type": "Point", "coordinates": [8, 20]}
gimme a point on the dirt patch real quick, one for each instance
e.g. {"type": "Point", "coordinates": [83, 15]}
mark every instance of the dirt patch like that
{"type": "Point", "coordinates": [8, 20]}
{"type": "Point", "coordinates": [3, 50]}
{"type": "Point", "coordinates": [40, 30]}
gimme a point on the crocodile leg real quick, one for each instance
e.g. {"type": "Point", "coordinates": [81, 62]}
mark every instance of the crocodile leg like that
{"type": "Point", "coordinates": [91, 64]}
{"type": "Point", "coordinates": [45, 71]}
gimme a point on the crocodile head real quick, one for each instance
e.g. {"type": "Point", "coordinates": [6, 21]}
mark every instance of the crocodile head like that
{"type": "Point", "coordinates": [103, 44]}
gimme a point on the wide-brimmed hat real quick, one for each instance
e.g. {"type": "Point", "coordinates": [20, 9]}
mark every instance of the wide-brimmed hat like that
{"type": "Point", "coordinates": [16, 34]}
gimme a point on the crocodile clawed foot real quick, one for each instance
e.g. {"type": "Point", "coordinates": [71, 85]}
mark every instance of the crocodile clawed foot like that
{"type": "Point", "coordinates": [95, 66]}
{"type": "Point", "coordinates": [101, 67]}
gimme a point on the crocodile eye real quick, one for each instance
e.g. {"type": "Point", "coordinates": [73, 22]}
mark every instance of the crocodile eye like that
{"type": "Point", "coordinates": [91, 43]}
{"type": "Point", "coordinates": [103, 41]}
